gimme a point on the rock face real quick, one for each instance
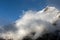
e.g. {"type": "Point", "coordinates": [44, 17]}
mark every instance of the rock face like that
{"type": "Point", "coordinates": [40, 25]}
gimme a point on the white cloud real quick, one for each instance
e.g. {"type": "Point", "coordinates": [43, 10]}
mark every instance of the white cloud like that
{"type": "Point", "coordinates": [39, 22]}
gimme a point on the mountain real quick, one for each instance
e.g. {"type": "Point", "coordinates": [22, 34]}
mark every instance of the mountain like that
{"type": "Point", "coordinates": [33, 25]}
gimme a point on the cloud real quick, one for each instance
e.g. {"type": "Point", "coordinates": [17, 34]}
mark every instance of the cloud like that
{"type": "Point", "coordinates": [32, 22]}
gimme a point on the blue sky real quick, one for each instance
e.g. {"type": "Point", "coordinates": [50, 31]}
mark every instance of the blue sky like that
{"type": "Point", "coordinates": [55, 3]}
{"type": "Point", "coordinates": [10, 10]}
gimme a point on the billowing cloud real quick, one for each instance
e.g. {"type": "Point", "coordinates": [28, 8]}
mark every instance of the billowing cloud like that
{"type": "Point", "coordinates": [32, 22]}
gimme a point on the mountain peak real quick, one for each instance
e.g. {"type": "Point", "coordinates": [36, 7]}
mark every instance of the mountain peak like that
{"type": "Point", "coordinates": [50, 8]}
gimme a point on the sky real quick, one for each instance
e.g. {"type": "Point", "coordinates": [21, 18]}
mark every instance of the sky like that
{"type": "Point", "coordinates": [34, 20]}
{"type": "Point", "coordinates": [10, 10]}
{"type": "Point", "coordinates": [55, 3]}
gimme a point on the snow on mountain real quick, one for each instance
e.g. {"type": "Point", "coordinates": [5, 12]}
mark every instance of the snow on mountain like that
{"type": "Point", "coordinates": [38, 22]}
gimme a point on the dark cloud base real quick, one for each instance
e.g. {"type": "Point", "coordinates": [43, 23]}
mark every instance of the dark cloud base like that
{"type": "Point", "coordinates": [47, 36]}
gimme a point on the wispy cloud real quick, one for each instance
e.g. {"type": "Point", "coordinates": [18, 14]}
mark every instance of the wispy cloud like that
{"type": "Point", "coordinates": [55, 3]}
